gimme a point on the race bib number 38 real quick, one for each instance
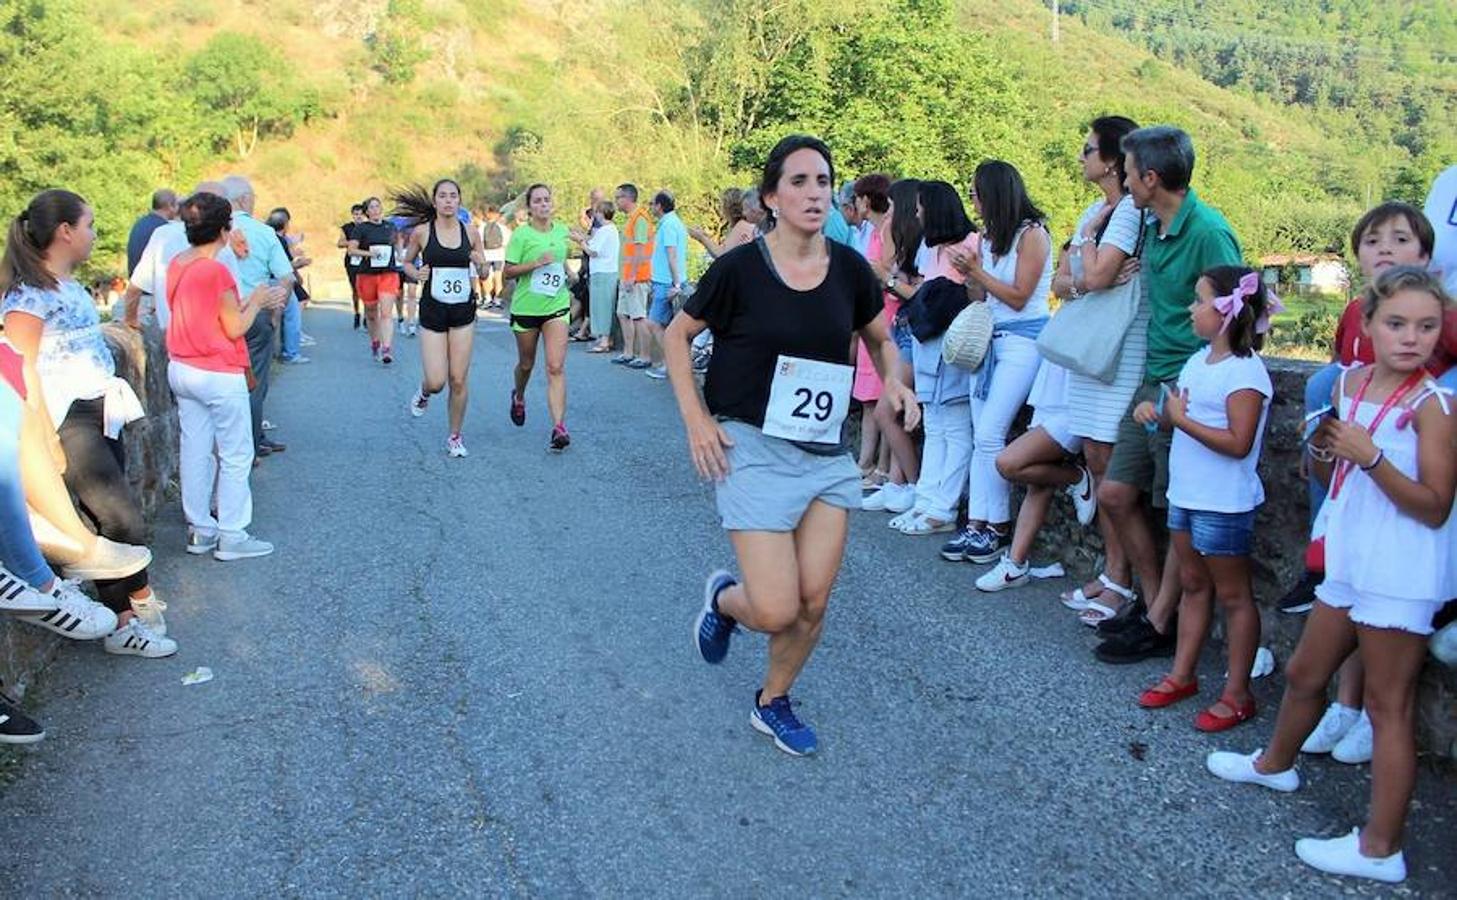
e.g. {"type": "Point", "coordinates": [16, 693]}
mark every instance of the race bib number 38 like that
{"type": "Point", "coordinates": [450, 285]}
{"type": "Point", "coordinates": [808, 400]}
{"type": "Point", "coordinates": [549, 279]}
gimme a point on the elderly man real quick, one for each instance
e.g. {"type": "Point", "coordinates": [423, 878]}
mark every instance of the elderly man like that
{"type": "Point", "coordinates": [261, 259]}
{"type": "Point", "coordinates": [164, 210]}
{"type": "Point", "coordinates": [147, 290]}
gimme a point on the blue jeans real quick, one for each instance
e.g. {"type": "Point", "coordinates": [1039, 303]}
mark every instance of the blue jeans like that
{"type": "Point", "coordinates": [18, 550]}
{"type": "Point", "coordinates": [1215, 533]}
{"type": "Point", "coordinates": [660, 308]}
{"type": "Point", "coordinates": [1318, 390]}
{"type": "Point", "coordinates": [292, 328]}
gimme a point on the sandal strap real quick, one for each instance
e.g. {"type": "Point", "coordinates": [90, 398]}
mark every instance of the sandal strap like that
{"type": "Point", "coordinates": [1125, 592]}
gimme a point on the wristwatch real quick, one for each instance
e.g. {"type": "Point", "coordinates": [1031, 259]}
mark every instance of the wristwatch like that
{"type": "Point", "coordinates": [892, 281]}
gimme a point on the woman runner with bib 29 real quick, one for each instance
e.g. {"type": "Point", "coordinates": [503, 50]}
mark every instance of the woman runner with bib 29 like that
{"type": "Point", "coordinates": [768, 430]}
{"type": "Point", "coordinates": [536, 260]}
{"type": "Point", "coordinates": [377, 282]}
{"type": "Point", "coordinates": [447, 296]}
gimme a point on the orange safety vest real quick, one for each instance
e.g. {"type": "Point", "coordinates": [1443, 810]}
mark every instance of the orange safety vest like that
{"type": "Point", "coordinates": [637, 256]}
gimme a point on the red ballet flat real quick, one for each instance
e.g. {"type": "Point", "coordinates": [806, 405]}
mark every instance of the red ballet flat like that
{"type": "Point", "coordinates": [1167, 692]}
{"type": "Point", "coordinates": [1210, 721]}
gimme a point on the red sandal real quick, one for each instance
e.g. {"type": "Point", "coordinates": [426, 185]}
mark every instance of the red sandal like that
{"type": "Point", "coordinates": [1167, 692]}
{"type": "Point", "coordinates": [1210, 721]}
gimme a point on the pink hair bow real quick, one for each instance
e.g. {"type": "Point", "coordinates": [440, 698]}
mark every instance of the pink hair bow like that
{"type": "Point", "coordinates": [1232, 304]}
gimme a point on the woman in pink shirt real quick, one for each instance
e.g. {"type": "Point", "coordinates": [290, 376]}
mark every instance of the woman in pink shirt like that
{"type": "Point", "coordinates": [209, 377]}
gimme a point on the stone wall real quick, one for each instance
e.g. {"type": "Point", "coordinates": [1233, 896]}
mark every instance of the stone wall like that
{"type": "Point", "coordinates": [151, 446]}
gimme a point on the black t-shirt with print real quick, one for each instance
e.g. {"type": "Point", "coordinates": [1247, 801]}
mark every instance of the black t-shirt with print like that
{"type": "Point", "coordinates": [755, 317]}
{"type": "Point", "coordinates": [349, 261]}
{"type": "Point", "coordinates": [370, 234]}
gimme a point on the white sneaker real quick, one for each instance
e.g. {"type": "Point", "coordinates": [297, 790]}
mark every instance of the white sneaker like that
{"type": "Point", "coordinates": [1342, 856]}
{"type": "Point", "coordinates": [418, 403]}
{"type": "Point", "coordinates": [1333, 726]}
{"type": "Point", "coordinates": [199, 543]}
{"type": "Point", "coordinates": [109, 560]}
{"type": "Point", "coordinates": [901, 499]}
{"type": "Point", "coordinates": [657, 373]}
{"type": "Point", "coordinates": [455, 447]}
{"type": "Point", "coordinates": [1354, 747]}
{"type": "Point", "coordinates": [1238, 767]}
{"type": "Point", "coordinates": [1005, 574]}
{"type": "Point", "coordinates": [17, 596]}
{"type": "Point", "coordinates": [268, 426]}
{"type": "Point", "coordinates": [305, 340]}
{"type": "Point", "coordinates": [1085, 499]}
{"type": "Point", "coordinates": [136, 639]}
{"type": "Point", "coordinates": [76, 616]}
{"type": "Point", "coordinates": [245, 547]}
{"type": "Point", "coordinates": [299, 360]}
{"type": "Point", "coordinates": [875, 500]}
{"type": "Point", "coordinates": [150, 612]}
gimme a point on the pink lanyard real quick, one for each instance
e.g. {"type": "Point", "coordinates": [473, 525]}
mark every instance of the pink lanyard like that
{"type": "Point", "coordinates": [1344, 467]}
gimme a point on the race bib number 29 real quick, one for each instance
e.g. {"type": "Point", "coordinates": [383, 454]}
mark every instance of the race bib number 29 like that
{"type": "Point", "coordinates": [381, 255]}
{"type": "Point", "coordinates": [808, 400]}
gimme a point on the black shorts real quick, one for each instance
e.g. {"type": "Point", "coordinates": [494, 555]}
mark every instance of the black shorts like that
{"type": "Point", "coordinates": [442, 317]}
{"type": "Point", "coordinates": [534, 323]}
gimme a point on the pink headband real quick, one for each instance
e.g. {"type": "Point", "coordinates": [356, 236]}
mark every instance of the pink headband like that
{"type": "Point", "coordinates": [1232, 304]}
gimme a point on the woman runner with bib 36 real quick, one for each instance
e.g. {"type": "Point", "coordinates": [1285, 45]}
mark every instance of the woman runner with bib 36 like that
{"type": "Point", "coordinates": [769, 427]}
{"type": "Point", "coordinates": [536, 259]}
{"type": "Point", "coordinates": [377, 282]}
{"type": "Point", "coordinates": [447, 296]}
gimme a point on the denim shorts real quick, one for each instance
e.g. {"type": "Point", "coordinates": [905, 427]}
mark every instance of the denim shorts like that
{"type": "Point", "coordinates": [661, 308]}
{"type": "Point", "coordinates": [1215, 533]}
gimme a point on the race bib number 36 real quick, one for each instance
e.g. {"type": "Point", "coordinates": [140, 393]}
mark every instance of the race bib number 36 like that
{"type": "Point", "coordinates": [381, 255]}
{"type": "Point", "coordinates": [808, 400]}
{"type": "Point", "coordinates": [549, 279]}
{"type": "Point", "coordinates": [450, 285]}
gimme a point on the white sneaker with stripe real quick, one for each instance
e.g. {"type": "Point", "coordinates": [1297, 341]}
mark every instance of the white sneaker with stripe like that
{"type": "Point", "coordinates": [136, 639]}
{"type": "Point", "coordinates": [76, 616]}
{"type": "Point", "coordinates": [17, 596]}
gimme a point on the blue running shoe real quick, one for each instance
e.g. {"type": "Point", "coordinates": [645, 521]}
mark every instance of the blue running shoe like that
{"type": "Point", "coordinates": [955, 549]}
{"type": "Point", "coordinates": [986, 545]}
{"type": "Point", "coordinates": [779, 722]}
{"type": "Point", "coordinates": [712, 629]}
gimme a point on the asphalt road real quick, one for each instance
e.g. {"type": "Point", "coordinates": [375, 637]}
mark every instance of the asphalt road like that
{"type": "Point", "coordinates": [474, 677]}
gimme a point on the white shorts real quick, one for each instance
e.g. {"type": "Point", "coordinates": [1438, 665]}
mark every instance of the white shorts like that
{"type": "Point", "coordinates": [1379, 610]}
{"type": "Point", "coordinates": [1054, 421]}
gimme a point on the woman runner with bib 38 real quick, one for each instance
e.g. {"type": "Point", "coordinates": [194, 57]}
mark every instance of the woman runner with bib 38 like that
{"type": "Point", "coordinates": [447, 296]}
{"type": "Point", "coordinates": [536, 260]}
{"type": "Point", "coordinates": [768, 429]}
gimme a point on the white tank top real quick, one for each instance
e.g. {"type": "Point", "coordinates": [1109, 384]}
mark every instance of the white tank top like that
{"type": "Point", "coordinates": [1004, 268]}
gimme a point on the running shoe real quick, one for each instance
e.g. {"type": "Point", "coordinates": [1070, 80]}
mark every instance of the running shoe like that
{"type": "Point", "coordinates": [657, 373]}
{"type": "Point", "coordinates": [455, 447]}
{"type": "Point", "coordinates": [136, 639]}
{"type": "Point", "coordinates": [15, 726]}
{"type": "Point", "coordinates": [955, 550]}
{"type": "Point", "coordinates": [150, 611]}
{"type": "Point", "coordinates": [986, 545]}
{"type": "Point", "coordinates": [779, 722]}
{"type": "Point", "coordinates": [640, 364]}
{"type": "Point", "coordinates": [560, 440]}
{"type": "Point", "coordinates": [356, 321]}
{"type": "Point", "coordinates": [244, 546]}
{"type": "Point", "coordinates": [199, 543]}
{"type": "Point", "coordinates": [1085, 499]}
{"type": "Point", "coordinates": [374, 350]}
{"type": "Point", "coordinates": [1301, 596]}
{"type": "Point", "coordinates": [17, 596]}
{"type": "Point", "coordinates": [1005, 574]}
{"type": "Point", "coordinates": [386, 355]}
{"type": "Point", "coordinates": [518, 410]}
{"type": "Point", "coordinates": [712, 629]}
{"type": "Point", "coordinates": [418, 403]}
{"type": "Point", "coordinates": [621, 359]}
{"type": "Point", "coordinates": [76, 616]}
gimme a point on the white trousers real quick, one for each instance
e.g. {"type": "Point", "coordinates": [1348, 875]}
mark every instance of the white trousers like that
{"type": "Point", "coordinates": [990, 495]}
{"type": "Point", "coordinates": [944, 459]}
{"type": "Point", "coordinates": [217, 448]}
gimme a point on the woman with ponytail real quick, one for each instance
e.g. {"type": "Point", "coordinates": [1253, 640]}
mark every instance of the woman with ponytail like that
{"type": "Point", "coordinates": [70, 374]}
{"type": "Point", "coordinates": [446, 250]}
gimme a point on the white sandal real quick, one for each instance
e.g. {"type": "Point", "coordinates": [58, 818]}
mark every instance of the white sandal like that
{"type": "Point", "coordinates": [922, 525]}
{"type": "Point", "coordinates": [1098, 612]}
{"type": "Point", "coordinates": [1077, 601]}
{"type": "Point", "coordinates": [898, 522]}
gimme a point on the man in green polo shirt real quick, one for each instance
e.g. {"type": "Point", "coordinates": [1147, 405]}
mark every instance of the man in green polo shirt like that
{"type": "Point", "coordinates": [1182, 239]}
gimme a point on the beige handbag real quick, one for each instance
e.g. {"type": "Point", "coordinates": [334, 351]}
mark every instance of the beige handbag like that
{"type": "Point", "coordinates": [968, 337]}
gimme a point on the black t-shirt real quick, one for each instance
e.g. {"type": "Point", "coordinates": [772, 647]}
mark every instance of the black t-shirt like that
{"type": "Point", "coordinates": [370, 234]}
{"type": "Point", "coordinates": [755, 317]}
{"type": "Point", "coordinates": [349, 261]}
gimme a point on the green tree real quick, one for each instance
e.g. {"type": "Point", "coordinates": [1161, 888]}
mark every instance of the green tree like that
{"type": "Point", "coordinates": [249, 89]}
{"type": "Point", "coordinates": [396, 46]}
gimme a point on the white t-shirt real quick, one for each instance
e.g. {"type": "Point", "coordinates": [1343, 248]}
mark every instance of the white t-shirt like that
{"type": "Point", "coordinates": [165, 245]}
{"type": "Point", "coordinates": [605, 243]}
{"type": "Point", "coordinates": [1200, 478]}
{"type": "Point", "coordinates": [1441, 210]}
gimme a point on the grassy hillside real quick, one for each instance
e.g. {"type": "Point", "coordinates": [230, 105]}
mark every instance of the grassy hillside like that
{"type": "Point", "coordinates": [594, 92]}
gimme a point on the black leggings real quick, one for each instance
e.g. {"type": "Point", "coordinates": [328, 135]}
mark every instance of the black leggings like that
{"type": "Point", "coordinates": [96, 475]}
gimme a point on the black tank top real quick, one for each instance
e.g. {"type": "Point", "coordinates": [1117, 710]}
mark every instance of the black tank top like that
{"type": "Point", "coordinates": [438, 256]}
